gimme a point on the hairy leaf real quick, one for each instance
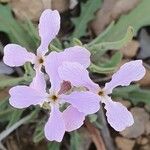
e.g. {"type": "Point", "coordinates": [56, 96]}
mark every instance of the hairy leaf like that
{"type": "Point", "coordinates": [87, 13]}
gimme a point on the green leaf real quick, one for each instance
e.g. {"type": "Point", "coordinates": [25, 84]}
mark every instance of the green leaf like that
{"type": "Point", "coordinates": [10, 81]}
{"type": "Point", "coordinates": [133, 93]}
{"type": "Point", "coordinates": [104, 46]}
{"type": "Point", "coordinates": [53, 146]}
{"type": "Point", "coordinates": [137, 18]}
{"type": "Point", "coordinates": [24, 120]}
{"type": "Point", "coordinates": [109, 67]}
{"type": "Point", "coordinates": [87, 14]}
{"type": "Point", "coordinates": [14, 29]}
{"type": "Point", "coordinates": [15, 116]}
{"type": "Point", "coordinates": [39, 131]}
{"type": "Point", "coordinates": [75, 141]}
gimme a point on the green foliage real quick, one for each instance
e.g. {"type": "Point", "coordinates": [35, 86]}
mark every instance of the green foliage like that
{"type": "Point", "coordinates": [39, 131]}
{"type": "Point", "coordinates": [15, 116]}
{"type": "Point", "coordinates": [109, 66]}
{"type": "Point", "coordinates": [17, 32]}
{"type": "Point", "coordinates": [133, 93]}
{"type": "Point", "coordinates": [87, 14]}
{"type": "Point", "coordinates": [137, 18]}
{"type": "Point", "coordinates": [117, 45]}
{"type": "Point", "coordinates": [75, 141]}
{"type": "Point", "coordinates": [53, 146]}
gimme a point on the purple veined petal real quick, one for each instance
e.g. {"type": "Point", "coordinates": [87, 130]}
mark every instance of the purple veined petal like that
{"type": "Point", "coordinates": [55, 127]}
{"type": "Point", "coordinates": [15, 55]}
{"type": "Point", "coordinates": [131, 71]}
{"type": "Point", "coordinates": [39, 82]}
{"type": "Point", "coordinates": [51, 64]}
{"type": "Point", "coordinates": [73, 118]}
{"type": "Point", "coordinates": [24, 96]}
{"type": "Point", "coordinates": [85, 102]}
{"type": "Point", "coordinates": [55, 59]}
{"type": "Point", "coordinates": [49, 25]}
{"type": "Point", "coordinates": [77, 54]}
{"type": "Point", "coordinates": [118, 116]}
{"type": "Point", "coordinates": [77, 75]}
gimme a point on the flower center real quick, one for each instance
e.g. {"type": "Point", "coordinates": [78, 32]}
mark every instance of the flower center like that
{"type": "Point", "coordinates": [54, 98]}
{"type": "Point", "coordinates": [101, 93]}
{"type": "Point", "coordinates": [41, 60]}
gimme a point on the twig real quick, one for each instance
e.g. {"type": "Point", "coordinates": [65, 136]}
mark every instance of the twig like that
{"type": "Point", "coordinates": [105, 131]}
{"type": "Point", "coordinates": [96, 137]}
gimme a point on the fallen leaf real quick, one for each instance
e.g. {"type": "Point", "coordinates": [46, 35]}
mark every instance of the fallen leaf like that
{"type": "Point", "coordinates": [147, 130]}
{"type": "Point", "coordinates": [141, 117]}
{"type": "Point", "coordinates": [124, 144]}
{"type": "Point", "coordinates": [30, 9]}
{"type": "Point", "coordinates": [125, 103]}
{"type": "Point", "coordinates": [73, 4]}
{"type": "Point", "coordinates": [145, 147]}
{"type": "Point", "coordinates": [111, 10]}
{"type": "Point", "coordinates": [144, 39]}
{"type": "Point", "coordinates": [4, 93]}
{"type": "Point", "coordinates": [130, 49]}
{"type": "Point", "coordinates": [145, 81]}
{"type": "Point", "coordinates": [142, 140]}
{"type": "Point", "coordinates": [60, 5]}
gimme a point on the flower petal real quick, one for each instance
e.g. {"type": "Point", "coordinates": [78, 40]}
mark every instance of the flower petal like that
{"type": "Point", "coordinates": [51, 66]}
{"type": "Point", "coordinates": [55, 59]}
{"type": "Point", "coordinates": [39, 82]}
{"type": "Point", "coordinates": [55, 126]}
{"type": "Point", "coordinates": [15, 55]}
{"type": "Point", "coordinates": [131, 71]}
{"type": "Point", "coordinates": [77, 75]}
{"type": "Point", "coordinates": [118, 116]}
{"type": "Point", "coordinates": [73, 118]}
{"type": "Point", "coordinates": [77, 54]}
{"type": "Point", "coordinates": [24, 96]}
{"type": "Point", "coordinates": [49, 26]}
{"type": "Point", "coordinates": [85, 102]}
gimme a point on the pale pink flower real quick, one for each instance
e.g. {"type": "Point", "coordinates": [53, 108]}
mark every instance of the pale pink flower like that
{"type": "Point", "coordinates": [117, 115]}
{"type": "Point", "coordinates": [16, 55]}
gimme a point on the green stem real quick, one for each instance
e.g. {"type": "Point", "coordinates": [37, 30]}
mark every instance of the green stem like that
{"type": "Point", "coordinates": [6, 132]}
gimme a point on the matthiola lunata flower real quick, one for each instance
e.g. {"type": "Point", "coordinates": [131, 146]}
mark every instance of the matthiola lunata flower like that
{"type": "Point", "coordinates": [81, 104]}
{"type": "Point", "coordinates": [117, 115]}
{"type": "Point", "coordinates": [67, 69]}
{"type": "Point", "coordinates": [16, 55]}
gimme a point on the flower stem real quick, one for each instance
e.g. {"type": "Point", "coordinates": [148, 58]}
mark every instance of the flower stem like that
{"type": "Point", "coordinates": [105, 131]}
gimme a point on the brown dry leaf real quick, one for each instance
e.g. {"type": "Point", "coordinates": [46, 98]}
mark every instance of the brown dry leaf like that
{"type": "Point", "coordinates": [141, 117]}
{"type": "Point", "coordinates": [60, 5]}
{"type": "Point", "coordinates": [125, 103]}
{"type": "Point", "coordinates": [95, 135]}
{"type": "Point", "coordinates": [147, 130]}
{"type": "Point", "coordinates": [142, 140]}
{"type": "Point", "coordinates": [111, 10]}
{"type": "Point", "coordinates": [145, 147]}
{"type": "Point", "coordinates": [124, 144]}
{"type": "Point", "coordinates": [145, 81]}
{"type": "Point", "coordinates": [4, 93]}
{"type": "Point", "coordinates": [31, 9]}
{"type": "Point", "coordinates": [130, 49]}
{"type": "Point", "coordinates": [73, 4]}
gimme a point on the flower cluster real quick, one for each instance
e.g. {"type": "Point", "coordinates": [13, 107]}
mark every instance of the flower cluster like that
{"type": "Point", "coordinates": [66, 70]}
